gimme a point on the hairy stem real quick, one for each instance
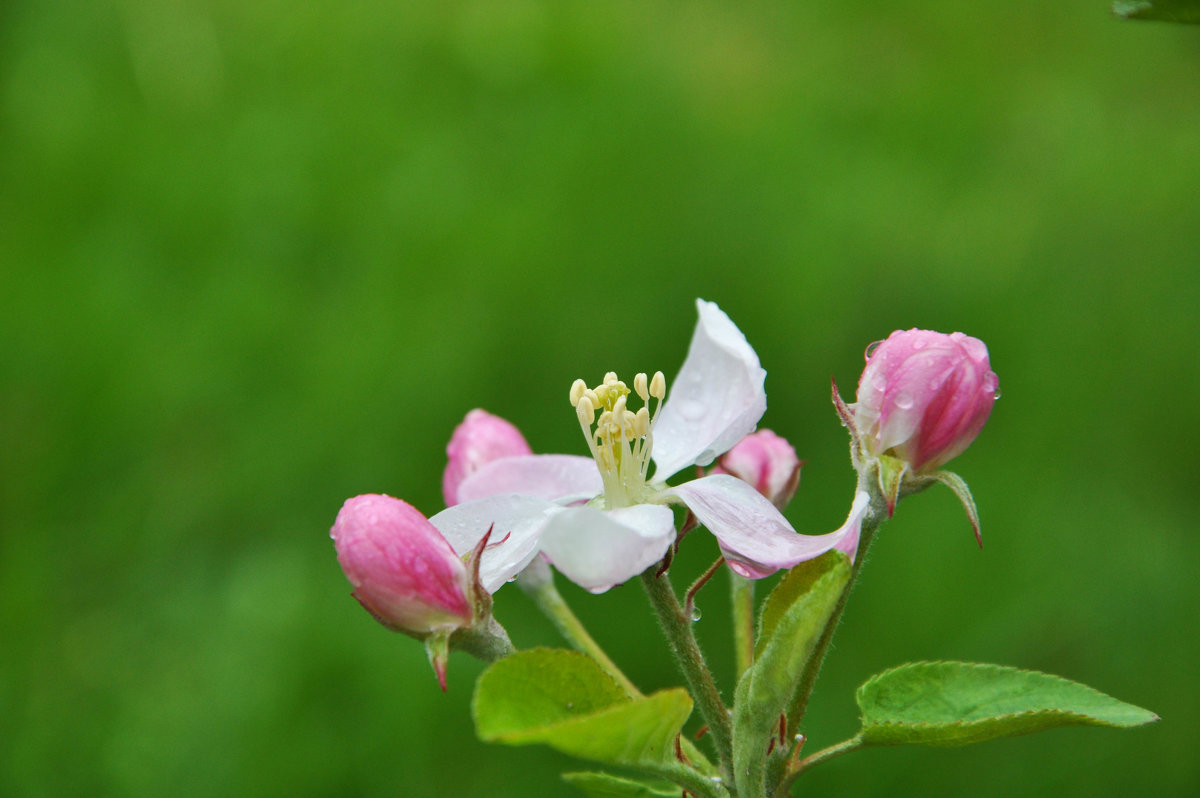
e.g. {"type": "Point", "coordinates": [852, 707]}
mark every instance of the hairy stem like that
{"type": "Point", "coordinates": [678, 628]}
{"type": "Point", "coordinates": [824, 755]}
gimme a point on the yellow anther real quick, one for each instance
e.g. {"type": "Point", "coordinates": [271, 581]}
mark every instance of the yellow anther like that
{"type": "Point", "coordinates": [639, 385]}
{"type": "Point", "coordinates": [610, 378]}
{"type": "Point", "coordinates": [586, 410]}
{"type": "Point", "coordinates": [658, 386]}
{"type": "Point", "coordinates": [618, 407]}
{"type": "Point", "coordinates": [578, 389]}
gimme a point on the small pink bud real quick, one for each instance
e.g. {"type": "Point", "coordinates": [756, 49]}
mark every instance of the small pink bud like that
{"type": "Point", "coordinates": [924, 396]}
{"type": "Point", "coordinates": [766, 461]}
{"type": "Point", "coordinates": [477, 441]}
{"type": "Point", "coordinates": [403, 571]}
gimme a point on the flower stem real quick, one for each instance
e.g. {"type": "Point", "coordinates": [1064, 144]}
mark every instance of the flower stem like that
{"type": "Point", "coordinates": [808, 678]}
{"type": "Point", "coordinates": [538, 583]}
{"type": "Point", "coordinates": [540, 587]}
{"type": "Point", "coordinates": [825, 754]}
{"type": "Point", "coordinates": [488, 642]}
{"type": "Point", "coordinates": [741, 595]}
{"type": "Point", "coordinates": [678, 628]}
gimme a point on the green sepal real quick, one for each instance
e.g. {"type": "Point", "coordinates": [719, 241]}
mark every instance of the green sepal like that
{"type": "Point", "coordinates": [957, 703]}
{"type": "Point", "coordinates": [565, 700]}
{"type": "Point", "coordinates": [792, 620]}
{"type": "Point", "coordinates": [605, 785]}
{"type": "Point", "coordinates": [1187, 11]}
{"type": "Point", "coordinates": [437, 649]}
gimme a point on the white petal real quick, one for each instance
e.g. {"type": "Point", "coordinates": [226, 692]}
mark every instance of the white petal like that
{"type": "Point", "coordinates": [755, 538]}
{"type": "Point", "coordinates": [547, 476]}
{"type": "Point", "coordinates": [849, 532]}
{"type": "Point", "coordinates": [716, 400]}
{"type": "Point", "coordinates": [597, 549]}
{"type": "Point", "coordinates": [516, 522]}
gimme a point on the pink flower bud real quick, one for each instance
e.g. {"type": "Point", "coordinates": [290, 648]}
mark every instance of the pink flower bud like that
{"type": "Point", "coordinates": [924, 396]}
{"type": "Point", "coordinates": [477, 441]}
{"type": "Point", "coordinates": [402, 569]}
{"type": "Point", "coordinates": [766, 461]}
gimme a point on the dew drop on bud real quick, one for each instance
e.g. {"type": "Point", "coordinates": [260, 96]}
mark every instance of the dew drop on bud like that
{"type": "Point", "coordinates": [695, 613]}
{"type": "Point", "coordinates": [903, 400]}
{"type": "Point", "coordinates": [996, 394]}
{"type": "Point", "coordinates": [871, 347]}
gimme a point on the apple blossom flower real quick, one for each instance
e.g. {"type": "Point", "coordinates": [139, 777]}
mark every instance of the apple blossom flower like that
{"type": "Point", "coordinates": [924, 396]}
{"type": "Point", "coordinates": [477, 441]}
{"type": "Point", "coordinates": [604, 519]}
{"type": "Point", "coordinates": [766, 461]}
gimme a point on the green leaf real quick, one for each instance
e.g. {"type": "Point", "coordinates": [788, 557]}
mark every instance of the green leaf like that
{"type": "Point", "coordinates": [604, 785]}
{"type": "Point", "coordinates": [795, 585]}
{"type": "Point", "coordinates": [1165, 10]}
{"type": "Point", "coordinates": [792, 620]}
{"type": "Point", "coordinates": [956, 703]}
{"type": "Point", "coordinates": [565, 700]}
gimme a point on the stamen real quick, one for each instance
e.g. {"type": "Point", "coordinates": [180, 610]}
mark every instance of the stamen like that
{"type": "Point", "coordinates": [619, 439]}
{"type": "Point", "coordinates": [578, 389]}
{"type": "Point", "coordinates": [639, 385]}
{"type": "Point", "coordinates": [586, 411]}
{"type": "Point", "coordinates": [658, 386]}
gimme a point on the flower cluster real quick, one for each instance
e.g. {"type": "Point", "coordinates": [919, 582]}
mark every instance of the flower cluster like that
{"type": "Point", "coordinates": [605, 518]}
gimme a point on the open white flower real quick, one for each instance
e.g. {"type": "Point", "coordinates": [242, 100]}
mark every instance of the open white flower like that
{"type": "Point", "coordinates": [603, 519]}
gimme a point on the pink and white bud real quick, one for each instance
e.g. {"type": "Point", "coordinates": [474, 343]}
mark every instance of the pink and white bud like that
{"type": "Point", "coordinates": [480, 439]}
{"type": "Point", "coordinates": [924, 396]}
{"type": "Point", "coordinates": [403, 571]}
{"type": "Point", "coordinates": [766, 461]}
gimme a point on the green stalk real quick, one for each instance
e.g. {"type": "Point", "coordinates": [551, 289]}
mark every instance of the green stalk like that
{"type": "Point", "coordinates": [538, 584]}
{"type": "Point", "coordinates": [682, 641]}
{"type": "Point", "coordinates": [551, 603]}
{"type": "Point", "coordinates": [741, 595]}
{"type": "Point", "coordinates": [824, 755]}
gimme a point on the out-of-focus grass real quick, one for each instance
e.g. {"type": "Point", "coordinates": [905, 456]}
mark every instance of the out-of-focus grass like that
{"type": "Point", "coordinates": [258, 258]}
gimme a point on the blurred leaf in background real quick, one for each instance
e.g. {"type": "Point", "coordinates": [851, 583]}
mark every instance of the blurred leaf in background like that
{"type": "Point", "coordinates": [257, 258]}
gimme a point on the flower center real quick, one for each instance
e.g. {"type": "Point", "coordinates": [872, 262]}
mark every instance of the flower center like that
{"type": "Point", "coordinates": [620, 439]}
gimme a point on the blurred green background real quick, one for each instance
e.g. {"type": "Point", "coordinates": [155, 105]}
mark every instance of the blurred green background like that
{"type": "Point", "coordinates": [259, 257]}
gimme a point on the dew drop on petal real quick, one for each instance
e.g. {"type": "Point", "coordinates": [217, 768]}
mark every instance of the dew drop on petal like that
{"type": "Point", "coordinates": [903, 400]}
{"type": "Point", "coordinates": [871, 347]}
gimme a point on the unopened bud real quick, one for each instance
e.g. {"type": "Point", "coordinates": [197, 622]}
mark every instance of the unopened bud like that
{"type": "Point", "coordinates": [403, 571]}
{"type": "Point", "coordinates": [924, 396]}
{"type": "Point", "coordinates": [477, 441]}
{"type": "Point", "coordinates": [766, 461]}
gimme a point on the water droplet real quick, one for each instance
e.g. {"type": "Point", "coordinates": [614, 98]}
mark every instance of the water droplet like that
{"type": "Point", "coordinates": [919, 343]}
{"type": "Point", "coordinates": [695, 613]}
{"type": "Point", "coordinates": [692, 410]}
{"type": "Point", "coordinates": [716, 779]}
{"type": "Point", "coordinates": [871, 347]}
{"type": "Point", "coordinates": [997, 394]}
{"type": "Point", "coordinates": [879, 382]}
{"type": "Point", "coordinates": [903, 400]}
